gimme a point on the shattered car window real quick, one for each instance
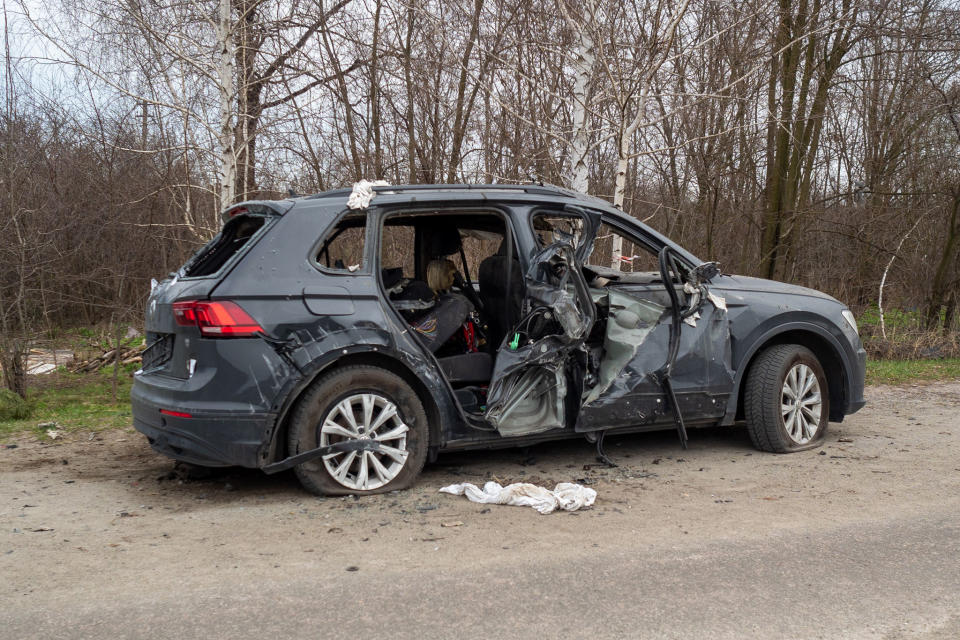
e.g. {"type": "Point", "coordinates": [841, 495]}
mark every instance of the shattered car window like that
{"type": "Point", "coordinates": [396, 249]}
{"type": "Point", "coordinates": [479, 245]}
{"type": "Point", "coordinates": [236, 234]}
{"type": "Point", "coordinates": [343, 248]}
{"type": "Point", "coordinates": [557, 227]}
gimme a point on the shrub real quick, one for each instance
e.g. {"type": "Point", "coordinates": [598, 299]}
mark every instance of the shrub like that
{"type": "Point", "coordinates": [907, 336]}
{"type": "Point", "coordinates": [12, 406]}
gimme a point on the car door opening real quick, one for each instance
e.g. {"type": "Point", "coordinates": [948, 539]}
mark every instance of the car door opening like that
{"type": "Point", "coordinates": [427, 261]}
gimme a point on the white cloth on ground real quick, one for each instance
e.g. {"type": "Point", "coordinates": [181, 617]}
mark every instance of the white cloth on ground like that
{"type": "Point", "coordinates": [566, 495]}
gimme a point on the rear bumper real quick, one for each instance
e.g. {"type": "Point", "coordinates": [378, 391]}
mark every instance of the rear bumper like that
{"type": "Point", "coordinates": [207, 438]}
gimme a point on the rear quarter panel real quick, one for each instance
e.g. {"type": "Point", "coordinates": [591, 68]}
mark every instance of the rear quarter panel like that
{"type": "Point", "coordinates": [316, 317]}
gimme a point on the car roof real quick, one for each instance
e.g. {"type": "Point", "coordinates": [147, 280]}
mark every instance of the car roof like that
{"type": "Point", "coordinates": [423, 192]}
{"type": "Point", "coordinates": [534, 192]}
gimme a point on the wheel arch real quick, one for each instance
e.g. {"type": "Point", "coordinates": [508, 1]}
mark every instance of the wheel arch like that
{"type": "Point", "coordinates": [823, 345]}
{"type": "Point", "coordinates": [277, 447]}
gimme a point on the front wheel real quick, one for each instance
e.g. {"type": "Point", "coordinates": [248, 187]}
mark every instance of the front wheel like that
{"type": "Point", "coordinates": [786, 400]}
{"type": "Point", "coordinates": [360, 403]}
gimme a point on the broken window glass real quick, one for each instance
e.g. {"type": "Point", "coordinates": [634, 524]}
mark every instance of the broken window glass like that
{"type": "Point", "coordinates": [235, 235]}
{"type": "Point", "coordinates": [550, 227]}
{"type": "Point", "coordinates": [343, 247]}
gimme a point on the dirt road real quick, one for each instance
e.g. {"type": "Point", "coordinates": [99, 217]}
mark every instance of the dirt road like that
{"type": "Point", "coordinates": [859, 539]}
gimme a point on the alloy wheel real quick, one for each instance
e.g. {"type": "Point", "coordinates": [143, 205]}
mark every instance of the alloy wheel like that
{"type": "Point", "coordinates": [801, 403]}
{"type": "Point", "coordinates": [365, 416]}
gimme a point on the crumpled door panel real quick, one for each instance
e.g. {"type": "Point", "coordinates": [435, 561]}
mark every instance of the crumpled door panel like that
{"type": "Point", "coordinates": [630, 321]}
{"type": "Point", "coordinates": [529, 384]}
{"type": "Point", "coordinates": [636, 342]}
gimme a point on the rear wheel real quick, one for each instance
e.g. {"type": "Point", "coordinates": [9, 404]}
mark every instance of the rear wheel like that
{"type": "Point", "coordinates": [360, 403]}
{"type": "Point", "coordinates": [786, 400]}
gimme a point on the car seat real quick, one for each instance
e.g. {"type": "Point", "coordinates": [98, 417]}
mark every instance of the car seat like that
{"type": "Point", "coordinates": [501, 302]}
{"type": "Point", "coordinates": [438, 324]}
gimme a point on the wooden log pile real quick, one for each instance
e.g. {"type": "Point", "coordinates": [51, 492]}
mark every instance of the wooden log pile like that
{"type": "Point", "coordinates": [127, 356]}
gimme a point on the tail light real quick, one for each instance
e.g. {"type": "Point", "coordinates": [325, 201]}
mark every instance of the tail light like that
{"type": "Point", "coordinates": [216, 319]}
{"type": "Point", "coordinates": [175, 414]}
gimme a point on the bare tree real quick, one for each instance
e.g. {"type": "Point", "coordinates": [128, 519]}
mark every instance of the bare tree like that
{"type": "Point", "coordinates": [811, 43]}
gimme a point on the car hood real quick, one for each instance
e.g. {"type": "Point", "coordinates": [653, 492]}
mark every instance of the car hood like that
{"type": "Point", "coordinates": [760, 285]}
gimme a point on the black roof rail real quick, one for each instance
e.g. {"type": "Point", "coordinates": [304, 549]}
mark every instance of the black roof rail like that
{"type": "Point", "coordinates": [528, 188]}
{"type": "Point", "coordinates": [545, 189]}
{"type": "Point", "coordinates": [329, 194]}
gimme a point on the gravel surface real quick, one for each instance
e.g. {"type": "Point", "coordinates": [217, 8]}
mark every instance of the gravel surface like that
{"type": "Point", "coordinates": [857, 539]}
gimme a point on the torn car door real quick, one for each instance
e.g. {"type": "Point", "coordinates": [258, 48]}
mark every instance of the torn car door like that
{"type": "Point", "coordinates": [532, 372]}
{"type": "Point", "coordinates": [630, 378]}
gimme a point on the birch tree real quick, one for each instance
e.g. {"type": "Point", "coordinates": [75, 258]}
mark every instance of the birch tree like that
{"type": "Point", "coordinates": [630, 67]}
{"type": "Point", "coordinates": [232, 58]}
{"type": "Point", "coordinates": [583, 62]}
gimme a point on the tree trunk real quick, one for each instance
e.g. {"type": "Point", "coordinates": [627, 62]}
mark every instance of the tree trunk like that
{"type": "Point", "coordinates": [793, 136]}
{"type": "Point", "coordinates": [408, 79]}
{"type": "Point", "coordinates": [14, 370]}
{"type": "Point", "coordinates": [344, 97]}
{"type": "Point", "coordinates": [939, 288]}
{"type": "Point", "coordinates": [225, 87]}
{"type": "Point", "coordinates": [462, 111]}
{"type": "Point", "coordinates": [247, 43]}
{"type": "Point", "coordinates": [619, 193]}
{"type": "Point", "coordinates": [375, 95]}
{"type": "Point", "coordinates": [584, 58]}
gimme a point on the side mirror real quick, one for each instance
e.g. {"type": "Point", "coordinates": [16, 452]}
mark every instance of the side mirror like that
{"type": "Point", "coordinates": [706, 271]}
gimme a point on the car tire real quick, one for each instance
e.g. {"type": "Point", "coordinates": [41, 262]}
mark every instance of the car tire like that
{"type": "Point", "coordinates": [359, 402]}
{"type": "Point", "coordinates": [776, 421]}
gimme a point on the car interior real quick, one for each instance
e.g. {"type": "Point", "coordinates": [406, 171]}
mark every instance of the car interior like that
{"type": "Point", "coordinates": [455, 278]}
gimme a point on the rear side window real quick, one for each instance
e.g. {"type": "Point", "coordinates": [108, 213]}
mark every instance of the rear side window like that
{"type": "Point", "coordinates": [234, 236]}
{"type": "Point", "coordinates": [343, 248]}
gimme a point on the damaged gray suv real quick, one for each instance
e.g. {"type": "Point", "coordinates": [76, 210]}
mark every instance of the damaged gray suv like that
{"type": "Point", "coordinates": [354, 343]}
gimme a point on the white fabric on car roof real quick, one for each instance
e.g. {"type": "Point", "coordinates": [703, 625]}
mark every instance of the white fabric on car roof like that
{"type": "Point", "coordinates": [363, 193]}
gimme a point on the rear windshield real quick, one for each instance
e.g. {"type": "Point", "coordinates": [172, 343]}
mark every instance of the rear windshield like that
{"type": "Point", "coordinates": [235, 235]}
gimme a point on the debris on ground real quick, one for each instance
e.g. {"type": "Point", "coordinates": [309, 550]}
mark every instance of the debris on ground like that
{"type": "Point", "coordinates": [127, 356]}
{"type": "Point", "coordinates": [566, 495]}
{"type": "Point", "coordinates": [43, 361]}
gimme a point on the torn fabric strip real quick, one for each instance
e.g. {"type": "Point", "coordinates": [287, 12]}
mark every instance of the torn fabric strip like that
{"type": "Point", "coordinates": [566, 495]}
{"type": "Point", "coordinates": [717, 301]}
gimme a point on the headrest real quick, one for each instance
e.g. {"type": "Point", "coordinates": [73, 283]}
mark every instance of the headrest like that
{"type": "Point", "coordinates": [442, 241]}
{"type": "Point", "coordinates": [391, 277]}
